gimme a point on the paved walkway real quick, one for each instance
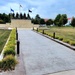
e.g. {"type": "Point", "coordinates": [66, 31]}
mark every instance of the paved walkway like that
{"type": "Point", "coordinates": [42, 56]}
{"type": "Point", "coordinates": [70, 72]}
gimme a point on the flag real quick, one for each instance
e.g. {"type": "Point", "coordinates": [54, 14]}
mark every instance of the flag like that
{"type": "Point", "coordinates": [12, 10]}
{"type": "Point", "coordinates": [30, 11]}
{"type": "Point", "coordinates": [20, 5]}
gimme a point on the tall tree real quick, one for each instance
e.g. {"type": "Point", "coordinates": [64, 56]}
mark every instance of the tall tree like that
{"type": "Point", "coordinates": [4, 18]}
{"type": "Point", "coordinates": [17, 15]}
{"type": "Point", "coordinates": [60, 20]}
{"type": "Point", "coordinates": [21, 17]}
{"type": "Point", "coordinates": [56, 21]}
{"type": "Point", "coordinates": [13, 15]}
{"type": "Point", "coordinates": [49, 22]}
{"type": "Point", "coordinates": [60, 23]}
{"type": "Point", "coordinates": [42, 21]}
{"type": "Point", "coordinates": [37, 17]}
{"type": "Point", "coordinates": [64, 17]}
{"type": "Point", "coordinates": [28, 16]}
{"type": "Point", "coordinates": [24, 16]}
{"type": "Point", "coordinates": [73, 22]}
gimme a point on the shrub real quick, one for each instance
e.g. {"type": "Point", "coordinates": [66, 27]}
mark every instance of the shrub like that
{"type": "Point", "coordinates": [11, 46]}
{"type": "Point", "coordinates": [60, 38]}
{"type": "Point", "coordinates": [49, 22]}
{"type": "Point", "coordinates": [57, 37]}
{"type": "Point", "coordinates": [9, 63]}
{"type": "Point", "coordinates": [52, 36]}
{"type": "Point", "coordinates": [11, 42]}
{"type": "Point", "coordinates": [72, 43]}
{"type": "Point", "coordinates": [36, 21]}
{"type": "Point", "coordinates": [9, 51]}
{"type": "Point", "coordinates": [1, 22]}
{"type": "Point", "coordinates": [0, 64]}
{"type": "Point", "coordinates": [42, 21]}
{"type": "Point", "coordinates": [66, 41]}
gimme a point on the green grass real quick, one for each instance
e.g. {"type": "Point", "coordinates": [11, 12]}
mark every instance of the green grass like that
{"type": "Point", "coordinates": [66, 33]}
{"type": "Point", "coordinates": [4, 34]}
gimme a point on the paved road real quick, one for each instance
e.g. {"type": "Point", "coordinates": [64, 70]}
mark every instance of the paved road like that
{"type": "Point", "coordinates": [43, 56]}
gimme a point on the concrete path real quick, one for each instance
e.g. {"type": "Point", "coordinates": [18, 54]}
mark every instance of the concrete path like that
{"type": "Point", "coordinates": [70, 72]}
{"type": "Point", "coordinates": [43, 56]}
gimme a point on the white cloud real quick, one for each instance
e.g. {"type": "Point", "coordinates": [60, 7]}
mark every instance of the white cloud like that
{"type": "Point", "coordinates": [45, 8]}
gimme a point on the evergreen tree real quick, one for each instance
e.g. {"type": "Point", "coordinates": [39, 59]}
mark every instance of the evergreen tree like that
{"type": "Point", "coordinates": [24, 16]}
{"type": "Point", "coordinates": [65, 20]}
{"type": "Point", "coordinates": [28, 16]}
{"type": "Point", "coordinates": [13, 15]}
{"type": "Point", "coordinates": [35, 21]}
{"type": "Point", "coordinates": [17, 15]}
{"type": "Point", "coordinates": [49, 22]}
{"type": "Point", "coordinates": [60, 20]}
{"type": "Point", "coordinates": [56, 21]}
{"type": "Point", "coordinates": [42, 21]}
{"type": "Point", "coordinates": [73, 22]}
{"type": "Point", "coordinates": [21, 17]}
{"type": "Point", "coordinates": [37, 17]}
{"type": "Point", "coordinates": [4, 18]}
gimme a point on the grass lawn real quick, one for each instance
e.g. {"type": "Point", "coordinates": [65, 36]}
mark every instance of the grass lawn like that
{"type": "Point", "coordinates": [4, 34]}
{"type": "Point", "coordinates": [66, 33]}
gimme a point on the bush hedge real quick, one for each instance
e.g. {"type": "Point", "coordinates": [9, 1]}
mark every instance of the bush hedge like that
{"type": "Point", "coordinates": [9, 51]}
{"type": "Point", "coordinates": [9, 61]}
{"type": "Point", "coordinates": [72, 43]}
{"type": "Point", "coordinates": [10, 47]}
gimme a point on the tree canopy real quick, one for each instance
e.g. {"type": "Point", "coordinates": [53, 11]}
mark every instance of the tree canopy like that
{"type": "Point", "coordinates": [73, 22]}
{"type": "Point", "coordinates": [49, 22]}
{"type": "Point", "coordinates": [60, 20]}
{"type": "Point", "coordinates": [4, 18]}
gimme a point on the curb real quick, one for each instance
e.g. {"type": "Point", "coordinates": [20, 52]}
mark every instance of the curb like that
{"type": "Point", "coordinates": [58, 41]}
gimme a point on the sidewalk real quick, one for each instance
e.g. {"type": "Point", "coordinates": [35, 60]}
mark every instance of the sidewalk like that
{"type": "Point", "coordinates": [43, 56]}
{"type": "Point", "coordinates": [71, 72]}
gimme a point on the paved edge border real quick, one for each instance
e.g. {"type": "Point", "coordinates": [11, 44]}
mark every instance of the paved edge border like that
{"type": "Point", "coordinates": [58, 41]}
{"type": "Point", "coordinates": [59, 72]}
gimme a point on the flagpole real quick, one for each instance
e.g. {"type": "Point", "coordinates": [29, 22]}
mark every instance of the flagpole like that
{"type": "Point", "coordinates": [10, 16]}
{"type": "Point", "coordinates": [19, 10]}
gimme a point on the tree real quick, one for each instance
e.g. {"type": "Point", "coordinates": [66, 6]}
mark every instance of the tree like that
{"type": "Point", "coordinates": [4, 18]}
{"type": "Point", "coordinates": [60, 23]}
{"type": "Point", "coordinates": [37, 17]}
{"type": "Point", "coordinates": [28, 16]}
{"type": "Point", "coordinates": [56, 21]}
{"type": "Point", "coordinates": [60, 20]}
{"type": "Point", "coordinates": [13, 15]}
{"type": "Point", "coordinates": [24, 16]}
{"type": "Point", "coordinates": [42, 21]}
{"type": "Point", "coordinates": [73, 22]}
{"type": "Point", "coordinates": [49, 22]}
{"type": "Point", "coordinates": [35, 21]}
{"type": "Point", "coordinates": [65, 20]}
{"type": "Point", "coordinates": [21, 17]}
{"type": "Point", "coordinates": [17, 15]}
{"type": "Point", "coordinates": [32, 20]}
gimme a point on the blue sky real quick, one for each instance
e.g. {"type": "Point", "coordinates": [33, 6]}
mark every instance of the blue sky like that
{"type": "Point", "coordinates": [45, 8]}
